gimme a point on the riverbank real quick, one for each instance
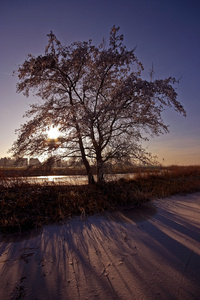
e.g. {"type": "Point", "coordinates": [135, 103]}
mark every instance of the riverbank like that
{"type": "Point", "coordinates": [150, 252]}
{"type": "Point", "coordinates": [24, 206]}
{"type": "Point", "coordinates": [45, 170]}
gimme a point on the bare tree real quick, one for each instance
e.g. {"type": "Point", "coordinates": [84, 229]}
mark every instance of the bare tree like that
{"type": "Point", "coordinates": [97, 97]}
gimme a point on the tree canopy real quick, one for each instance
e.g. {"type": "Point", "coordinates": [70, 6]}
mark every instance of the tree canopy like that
{"type": "Point", "coordinates": [97, 98]}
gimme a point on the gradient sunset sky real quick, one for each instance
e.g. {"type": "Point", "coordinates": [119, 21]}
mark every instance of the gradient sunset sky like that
{"type": "Point", "coordinates": [166, 33]}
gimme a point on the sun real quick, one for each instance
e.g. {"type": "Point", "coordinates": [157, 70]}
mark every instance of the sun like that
{"type": "Point", "coordinates": [53, 133]}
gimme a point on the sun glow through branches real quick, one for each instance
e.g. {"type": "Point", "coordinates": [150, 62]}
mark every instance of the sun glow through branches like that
{"type": "Point", "coordinates": [53, 132]}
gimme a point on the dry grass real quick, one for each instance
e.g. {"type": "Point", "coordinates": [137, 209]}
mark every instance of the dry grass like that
{"type": "Point", "coordinates": [24, 206]}
{"type": "Point", "coordinates": [170, 180]}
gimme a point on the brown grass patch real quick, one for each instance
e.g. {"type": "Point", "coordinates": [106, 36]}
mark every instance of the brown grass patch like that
{"type": "Point", "coordinates": [24, 206]}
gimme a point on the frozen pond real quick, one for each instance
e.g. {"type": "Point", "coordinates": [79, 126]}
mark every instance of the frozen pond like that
{"type": "Point", "coordinates": [72, 179]}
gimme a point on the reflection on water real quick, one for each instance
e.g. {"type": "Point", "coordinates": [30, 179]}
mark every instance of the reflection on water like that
{"type": "Point", "coordinates": [58, 179]}
{"type": "Point", "coordinates": [73, 179]}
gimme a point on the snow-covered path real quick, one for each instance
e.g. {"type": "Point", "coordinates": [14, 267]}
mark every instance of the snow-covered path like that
{"type": "Point", "coordinates": [148, 252]}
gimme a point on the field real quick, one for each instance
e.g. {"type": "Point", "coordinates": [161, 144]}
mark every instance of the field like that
{"type": "Point", "coordinates": [24, 206]}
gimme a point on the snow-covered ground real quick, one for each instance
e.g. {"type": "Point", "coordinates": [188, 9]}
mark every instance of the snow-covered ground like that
{"type": "Point", "coordinates": [148, 252]}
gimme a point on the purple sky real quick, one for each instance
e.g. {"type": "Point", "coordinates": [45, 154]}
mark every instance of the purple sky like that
{"type": "Point", "coordinates": [166, 33]}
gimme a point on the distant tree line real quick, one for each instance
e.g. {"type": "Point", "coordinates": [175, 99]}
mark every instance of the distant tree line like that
{"type": "Point", "coordinates": [22, 162]}
{"type": "Point", "coordinates": [28, 162]}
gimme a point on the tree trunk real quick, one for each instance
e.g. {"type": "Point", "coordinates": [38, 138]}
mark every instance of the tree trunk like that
{"type": "Point", "coordinates": [100, 178]}
{"type": "Point", "coordinates": [87, 167]}
{"type": "Point", "coordinates": [90, 177]}
{"type": "Point", "coordinates": [85, 161]}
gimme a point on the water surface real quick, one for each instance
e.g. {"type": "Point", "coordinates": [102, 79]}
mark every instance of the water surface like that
{"type": "Point", "coordinates": [73, 179]}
